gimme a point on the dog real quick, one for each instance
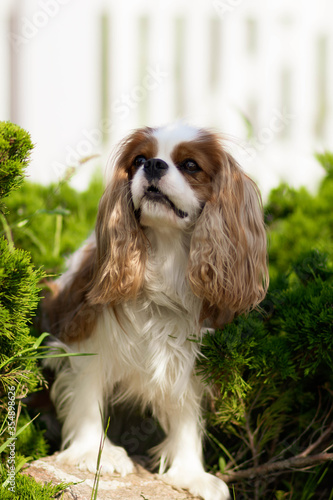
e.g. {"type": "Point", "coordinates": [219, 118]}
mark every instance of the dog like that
{"type": "Point", "coordinates": [179, 247]}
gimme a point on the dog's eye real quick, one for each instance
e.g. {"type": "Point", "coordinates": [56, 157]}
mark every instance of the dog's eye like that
{"type": "Point", "coordinates": [190, 166]}
{"type": "Point", "coordinates": [139, 160]}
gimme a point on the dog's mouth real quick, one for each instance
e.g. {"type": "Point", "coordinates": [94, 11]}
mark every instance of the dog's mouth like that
{"type": "Point", "coordinates": [154, 194]}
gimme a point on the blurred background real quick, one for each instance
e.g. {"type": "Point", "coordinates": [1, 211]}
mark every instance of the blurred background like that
{"type": "Point", "coordinates": [80, 74]}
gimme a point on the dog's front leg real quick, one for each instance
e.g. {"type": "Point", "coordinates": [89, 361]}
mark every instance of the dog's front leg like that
{"type": "Point", "coordinates": [182, 451]}
{"type": "Point", "coordinates": [79, 398]}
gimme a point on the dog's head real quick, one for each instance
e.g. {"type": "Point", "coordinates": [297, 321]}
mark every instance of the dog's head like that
{"type": "Point", "coordinates": [182, 178]}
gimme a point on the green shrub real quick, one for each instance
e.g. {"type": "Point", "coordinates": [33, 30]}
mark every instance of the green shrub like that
{"type": "Point", "coordinates": [273, 370]}
{"type": "Point", "coordinates": [52, 221]}
{"type": "Point", "coordinates": [15, 149]}
{"type": "Point", "coordinates": [19, 296]}
{"type": "Point", "coordinates": [31, 442]}
{"type": "Point", "coordinates": [299, 221]}
{"type": "Point", "coordinates": [273, 376]}
{"type": "Point", "coordinates": [18, 278]}
{"type": "Point", "coordinates": [41, 225]}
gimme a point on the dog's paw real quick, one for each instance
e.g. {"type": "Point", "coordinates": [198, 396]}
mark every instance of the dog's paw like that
{"type": "Point", "coordinates": [113, 459]}
{"type": "Point", "coordinates": [202, 485]}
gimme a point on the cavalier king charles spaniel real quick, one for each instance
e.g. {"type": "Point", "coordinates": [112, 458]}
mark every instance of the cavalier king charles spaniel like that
{"type": "Point", "coordinates": [179, 248]}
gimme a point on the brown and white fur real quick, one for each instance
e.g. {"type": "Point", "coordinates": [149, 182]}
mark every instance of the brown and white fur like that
{"type": "Point", "coordinates": [179, 245]}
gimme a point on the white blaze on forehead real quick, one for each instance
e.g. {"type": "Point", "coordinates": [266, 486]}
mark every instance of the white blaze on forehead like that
{"type": "Point", "coordinates": [170, 136]}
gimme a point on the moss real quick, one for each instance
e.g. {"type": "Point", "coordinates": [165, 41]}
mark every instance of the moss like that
{"type": "Point", "coordinates": [26, 488]}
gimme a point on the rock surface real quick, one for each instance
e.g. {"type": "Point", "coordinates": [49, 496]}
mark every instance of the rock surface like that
{"type": "Point", "coordinates": [141, 485]}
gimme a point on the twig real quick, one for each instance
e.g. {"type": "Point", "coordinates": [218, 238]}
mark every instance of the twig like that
{"type": "Point", "coordinates": [283, 452]}
{"type": "Point", "coordinates": [314, 445]}
{"type": "Point", "coordinates": [296, 462]}
{"type": "Point", "coordinates": [254, 452]}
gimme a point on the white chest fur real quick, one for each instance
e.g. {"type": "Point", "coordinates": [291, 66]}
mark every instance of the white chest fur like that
{"type": "Point", "coordinates": [150, 345]}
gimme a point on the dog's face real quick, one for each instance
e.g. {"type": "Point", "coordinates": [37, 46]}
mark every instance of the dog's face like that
{"type": "Point", "coordinates": [181, 178]}
{"type": "Point", "coordinates": [171, 173]}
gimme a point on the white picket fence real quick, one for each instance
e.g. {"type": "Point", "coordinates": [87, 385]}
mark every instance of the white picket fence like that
{"type": "Point", "coordinates": [79, 74]}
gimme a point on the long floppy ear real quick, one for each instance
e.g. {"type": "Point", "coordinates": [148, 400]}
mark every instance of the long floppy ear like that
{"type": "Point", "coordinates": [121, 248]}
{"type": "Point", "coordinates": [228, 259]}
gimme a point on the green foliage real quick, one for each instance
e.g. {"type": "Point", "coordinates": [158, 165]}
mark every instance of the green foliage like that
{"type": "Point", "coordinates": [31, 442]}
{"type": "Point", "coordinates": [38, 226]}
{"type": "Point", "coordinates": [18, 278]}
{"type": "Point", "coordinates": [273, 370]}
{"type": "Point", "coordinates": [26, 488]}
{"type": "Point", "coordinates": [18, 302]}
{"type": "Point", "coordinates": [15, 148]}
{"type": "Point", "coordinates": [299, 221]}
{"type": "Point", "coordinates": [290, 340]}
{"type": "Point", "coordinates": [273, 376]}
{"type": "Point", "coordinates": [326, 161]}
{"type": "Point", "coordinates": [19, 296]}
{"type": "Point", "coordinates": [52, 221]}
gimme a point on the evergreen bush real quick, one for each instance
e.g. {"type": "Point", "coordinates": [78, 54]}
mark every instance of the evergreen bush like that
{"type": "Point", "coordinates": [52, 221]}
{"type": "Point", "coordinates": [299, 221]}
{"type": "Point", "coordinates": [19, 296]}
{"type": "Point", "coordinates": [272, 371]}
{"type": "Point", "coordinates": [15, 149]}
{"type": "Point", "coordinates": [18, 277]}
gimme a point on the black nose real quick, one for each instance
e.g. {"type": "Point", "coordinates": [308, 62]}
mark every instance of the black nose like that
{"type": "Point", "coordinates": [155, 168]}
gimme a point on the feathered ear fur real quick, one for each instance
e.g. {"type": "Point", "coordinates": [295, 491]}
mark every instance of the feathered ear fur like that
{"type": "Point", "coordinates": [121, 249]}
{"type": "Point", "coordinates": [109, 273]}
{"type": "Point", "coordinates": [228, 261]}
